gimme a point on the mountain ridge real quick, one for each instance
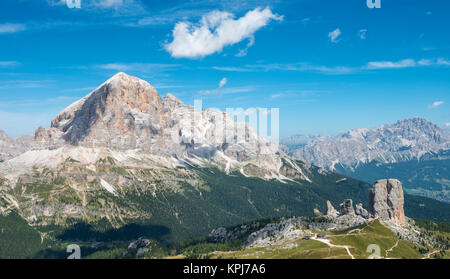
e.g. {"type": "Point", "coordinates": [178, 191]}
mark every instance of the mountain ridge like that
{"type": "Point", "coordinates": [404, 140]}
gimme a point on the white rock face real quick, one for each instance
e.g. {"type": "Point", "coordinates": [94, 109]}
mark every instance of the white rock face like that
{"type": "Point", "coordinates": [386, 201]}
{"type": "Point", "coordinates": [125, 114]}
{"type": "Point", "coordinates": [271, 234]}
{"type": "Point", "coordinates": [404, 140]}
{"type": "Point", "coordinates": [331, 211]}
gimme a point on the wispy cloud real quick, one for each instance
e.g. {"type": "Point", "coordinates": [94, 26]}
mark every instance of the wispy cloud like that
{"type": "Point", "coordinates": [215, 31]}
{"type": "Point", "coordinates": [362, 34]}
{"type": "Point", "coordinates": [84, 89]}
{"type": "Point", "coordinates": [9, 28]}
{"type": "Point", "coordinates": [24, 84]}
{"type": "Point", "coordinates": [59, 100]}
{"type": "Point", "coordinates": [406, 63]}
{"type": "Point", "coordinates": [227, 91]}
{"type": "Point", "coordinates": [435, 104]}
{"type": "Point", "coordinates": [233, 69]}
{"type": "Point", "coordinates": [334, 35]}
{"type": "Point", "coordinates": [276, 96]}
{"type": "Point", "coordinates": [9, 64]}
{"type": "Point", "coordinates": [118, 7]}
{"type": "Point", "coordinates": [335, 70]}
{"type": "Point", "coordinates": [223, 82]}
{"type": "Point", "coordinates": [303, 67]}
{"type": "Point", "coordinates": [299, 95]}
{"type": "Point", "coordinates": [138, 67]}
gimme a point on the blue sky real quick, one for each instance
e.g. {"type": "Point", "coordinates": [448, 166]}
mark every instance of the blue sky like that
{"type": "Point", "coordinates": [329, 66]}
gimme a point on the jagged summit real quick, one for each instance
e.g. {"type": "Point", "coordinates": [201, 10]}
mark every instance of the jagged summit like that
{"type": "Point", "coordinates": [4, 137]}
{"type": "Point", "coordinates": [126, 113]}
{"type": "Point", "coordinates": [404, 140]}
{"type": "Point", "coordinates": [113, 114]}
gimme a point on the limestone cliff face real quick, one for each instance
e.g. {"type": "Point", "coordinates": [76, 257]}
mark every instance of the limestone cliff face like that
{"type": "Point", "coordinates": [122, 113]}
{"type": "Point", "coordinates": [127, 113]}
{"type": "Point", "coordinates": [386, 201]}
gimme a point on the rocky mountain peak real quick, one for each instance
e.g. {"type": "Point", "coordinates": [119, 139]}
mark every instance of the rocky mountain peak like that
{"type": "Point", "coordinates": [170, 101]}
{"type": "Point", "coordinates": [113, 114]}
{"type": "Point", "coordinates": [4, 138]}
{"type": "Point", "coordinates": [126, 113]}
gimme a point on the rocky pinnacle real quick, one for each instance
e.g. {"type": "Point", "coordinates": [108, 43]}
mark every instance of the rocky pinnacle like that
{"type": "Point", "coordinates": [386, 201]}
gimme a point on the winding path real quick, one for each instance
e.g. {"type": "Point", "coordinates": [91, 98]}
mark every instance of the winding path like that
{"type": "Point", "coordinates": [392, 248]}
{"type": "Point", "coordinates": [327, 242]}
{"type": "Point", "coordinates": [428, 255]}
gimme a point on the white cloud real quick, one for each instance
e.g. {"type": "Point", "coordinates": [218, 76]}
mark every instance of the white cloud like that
{"type": "Point", "coordinates": [435, 104]}
{"type": "Point", "coordinates": [243, 52]}
{"type": "Point", "coordinates": [109, 3]}
{"type": "Point", "coordinates": [406, 63]}
{"type": "Point", "coordinates": [442, 61]}
{"type": "Point", "coordinates": [9, 28]}
{"type": "Point", "coordinates": [232, 69]}
{"type": "Point", "coordinates": [25, 84]}
{"type": "Point", "coordinates": [362, 34]}
{"type": "Point", "coordinates": [447, 124]}
{"type": "Point", "coordinates": [119, 7]}
{"type": "Point", "coordinates": [7, 64]}
{"type": "Point", "coordinates": [56, 2]}
{"type": "Point", "coordinates": [137, 67]}
{"type": "Point", "coordinates": [226, 91]}
{"type": "Point", "coordinates": [296, 67]}
{"type": "Point", "coordinates": [223, 82]}
{"type": "Point", "coordinates": [96, 3]}
{"type": "Point", "coordinates": [215, 31]}
{"type": "Point", "coordinates": [336, 70]}
{"type": "Point", "coordinates": [276, 96]}
{"type": "Point", "coordinates": [334, 35]}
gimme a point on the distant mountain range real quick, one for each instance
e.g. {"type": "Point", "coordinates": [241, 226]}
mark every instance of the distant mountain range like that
{"type": "Point", "coordinates": [413, 150]}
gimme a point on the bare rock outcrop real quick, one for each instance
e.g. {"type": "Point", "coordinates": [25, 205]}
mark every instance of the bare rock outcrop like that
{"type": "Point", "coordinates": [331, 212]}
{"type": "Point", "coordinates": [386, 201]}
{"type": "Point", "coordinates": [346, 208]}
{"type": "Point", "coordinates": [361, 211]}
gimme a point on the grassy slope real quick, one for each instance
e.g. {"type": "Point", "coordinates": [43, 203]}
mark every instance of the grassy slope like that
{"type": "Point", "coordinates": [373, 233]}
